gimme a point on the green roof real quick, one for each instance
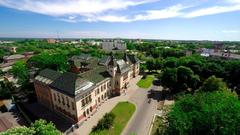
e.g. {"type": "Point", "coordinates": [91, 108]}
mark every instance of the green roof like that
{"type": "Point", "coordinates": [70, 83]}
{"type": "Point", "coordinates": [96, 75]}
{"type": "Point", "coordinates": [50, 74]}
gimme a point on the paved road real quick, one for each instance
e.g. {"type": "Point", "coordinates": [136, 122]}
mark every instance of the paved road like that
{"type": "Point", "coordinates": [141, 121]}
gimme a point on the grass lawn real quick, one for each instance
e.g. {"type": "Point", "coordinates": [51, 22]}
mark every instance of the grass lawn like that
{"type": "Point", "coordinates": [147, 82]}
{"type": "Point", "coordinates": [123, 112]}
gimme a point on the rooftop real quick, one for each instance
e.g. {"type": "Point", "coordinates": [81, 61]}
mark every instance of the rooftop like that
{"type": "Point", "coordinates": [122, 66]}
{"type": "Point", "coordinates": [15, 56]}
{"type": "Point", "coordinates": [131, 58]}
{"type": "Point", "coordinates": [50, 74]}
{"type": "Point", "coordinates": [71, 84]}
{"type": "Point", "coordinates": [96, 75]}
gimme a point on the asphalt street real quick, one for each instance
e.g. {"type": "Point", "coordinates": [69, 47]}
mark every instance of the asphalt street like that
{"type": "Point", "coordinates": [146, 107]}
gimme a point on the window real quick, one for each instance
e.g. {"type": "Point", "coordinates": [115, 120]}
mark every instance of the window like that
{"type": "Point", "coordinates": [125, 76]}
{"type": "Point", "coordinates": [58, 98]}
{"type": "Point", "coordinates": [83, 102]}
{"type": "Point", "coordinates": [63, 102]}
{"type": "Point", "coordinates": [98, 91]}
{"type": "Point", "coordinates": [104, 86]}
{"type": "Point", "coordinates": [54, 95]}
{"type": "Point", "coordinates": [73, 106]}
{"type": "Point", "coordinates": [67, 102]}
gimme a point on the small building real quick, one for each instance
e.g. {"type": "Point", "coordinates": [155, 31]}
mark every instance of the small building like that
{"type": "Point", "coordinates": [51, 41]}
{"type": "Point", "coordinates": [13, 49]}
{"type": "Point", "coordinates": [8, 61]}
{"type": "Point", "coordinates": [82, 63]}
{"type": "Point", "coordinates": [13, 58]}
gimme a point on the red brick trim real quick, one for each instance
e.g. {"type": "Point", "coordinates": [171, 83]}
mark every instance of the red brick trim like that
{"type": "Point", "coordinates": [81, 117]}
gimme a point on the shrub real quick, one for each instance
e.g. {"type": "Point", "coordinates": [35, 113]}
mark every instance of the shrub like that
{"type": "Point", "coordinates": [105, 123]}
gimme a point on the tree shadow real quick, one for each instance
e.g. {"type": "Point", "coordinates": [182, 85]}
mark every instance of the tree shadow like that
{"type": "Point", "coordinates": [156, 82]}
{"type": "Point", "coordinates": [160, 95]}
{"type": "Point", "coordinates": [18, 116]}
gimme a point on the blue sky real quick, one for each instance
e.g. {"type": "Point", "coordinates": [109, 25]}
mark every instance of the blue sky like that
{"type": "Point", "coordinates": [155, 19]}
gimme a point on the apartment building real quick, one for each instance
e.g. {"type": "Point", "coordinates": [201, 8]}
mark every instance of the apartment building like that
{"type": "Point", "coordinates": [115, 45]}
{"type": "Point", "coordinates": [77, 95]}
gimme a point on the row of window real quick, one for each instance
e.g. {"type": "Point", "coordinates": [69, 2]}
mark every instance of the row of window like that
{"type": "Point", "coordinates": [102, 97]}
{"type": "Point", "coordinates": [65, 112]}
{"type": "Point", "coordinates": [86, 101]}
{"type": "Point", "coordinates": [63, 101]}
{"type": "Point", "coordinates": [102, 88]}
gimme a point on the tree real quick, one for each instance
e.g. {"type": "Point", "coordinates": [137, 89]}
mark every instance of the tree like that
{"type": "Point", "coordinates": [196, 63]}
{"type": "Point", "coordinates": [170, 62]}
{"type": "Point", "coordinates": [213, 84]}
{"type": "Point", "coordinates": [205, 113]}
{"type": "Point", "coordinates": [213, 68]}
{"type": "Point", "coordinates": [184, 78]}
{"type": "Point", "coordinates": [19, 131]}
{"type": "Point", "coordinates": [105, 123]}
{"type": "Point", "coordinates": [179, 79]}
{"type": "Point", "coordinates": [41, 127]}
{"type": "Point", "coordinates": [131, 46]}
{"type": "Point", "coordinates": [157, 64]}
{"type": "Point", "coordinates": [53, 61]}
{"type": "Point", "coordinates": [150, 64]}
{"type": "Point", "coordinates": [20, 71]}
{"type": "Point", "coordinates": [168, 78]}
{"type": "Point", "coordinates": [5, 90]}
{"type": "Point", "coordinates": [143, 67]}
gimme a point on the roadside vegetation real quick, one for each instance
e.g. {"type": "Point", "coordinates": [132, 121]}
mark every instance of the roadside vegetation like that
{"type": "Point", "coordinates": [121, 114]}
{"type": "Point", "coordinates": [212, 109]}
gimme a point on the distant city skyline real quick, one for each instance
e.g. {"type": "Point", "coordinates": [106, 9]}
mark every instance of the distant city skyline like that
{"type": "Point", "coordinates": [145, 19]}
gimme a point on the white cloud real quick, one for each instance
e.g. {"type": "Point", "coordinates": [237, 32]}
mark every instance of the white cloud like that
{"type": "Point", "coordinates": [74, 11]}
{"type": "Point", "coordinates": [233, 1]}
{"type": "Point", "coordinates": [71, 7]}
{"type": "Point", "coordinates": [212, 10]}
{"type": "Point", "coordinates": [109, 18]}
{"type": "Point", "coordinates": [170, 12]}
{"type": "Point", "coordinates": [231, 31]}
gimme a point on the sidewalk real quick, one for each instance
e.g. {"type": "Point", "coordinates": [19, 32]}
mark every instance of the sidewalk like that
{"type": "Point", "coordinates": [107, 106]}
